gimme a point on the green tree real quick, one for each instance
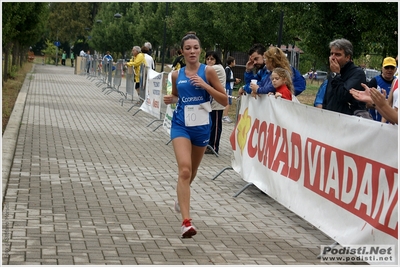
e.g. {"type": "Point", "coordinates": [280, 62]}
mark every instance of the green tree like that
{"type": "Point", "coordinates": [68, 20]}
{"type": "Point", "coordinates": [236, 30]}
{"type": "Point", "coordinates": [110, 33]}
{"type": "Point", "coordinates": [23, 25]}
{"type": "Point", "coordinates": [321, 23]}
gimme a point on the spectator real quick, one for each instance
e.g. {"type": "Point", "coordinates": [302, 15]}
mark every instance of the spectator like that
{"type": "Point", "coordinates": [310, 74]}
{"type": "Point", "coordinates": [63, 58]}
{"type": "Point", "coordinates": [344, 76]}
{"type": "Point", "coordinates": [383, 81]}
{"type": "Point", "coordinates": [192, 88]}
{"type": "Point", "coordinates": [88, 60]}
{"type": "Point", "coordinates": [149, 59]}
{"type": "Point", "coordinates": [136, 60]}
{"type": "Point", "coordinates": [149, 46]}
{"type": "Point", "coordinates": [282, 81]}
{"type": "Point", "coordinates": [72, 57]}
{"type": "Point", "coordinates": [374, 97]}
{"type": "Point", "coordinates": [255, 68]}
{"type": "Point", "coordinates": [107, 57]}
{"type": "Point", "coordinates": [82, 53]}
{"type": "Point", "coordinates": [179, 61]}
{"type": "Point", "coordinates": [315, 75]}
{"type": "Point", "coordinates": [150, 52]}
{"type": "Point", "coordinates": [394, 93]}
{"type": "Point", "coordinates": [319, 98]}
{"type": "Point", "coordinates": [275, 58]}
{"type": "Point", "coordinates": [213, 60]}
{"type": "Point", "coordinates": [230, 81]}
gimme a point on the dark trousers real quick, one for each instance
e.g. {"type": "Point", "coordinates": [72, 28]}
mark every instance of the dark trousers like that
{"type": "Point", "coordinates": [72, 62]}
{"type": "Point", "coordinates": [63, 62]}
{"type": "Point", "coordinates": [216, 129]}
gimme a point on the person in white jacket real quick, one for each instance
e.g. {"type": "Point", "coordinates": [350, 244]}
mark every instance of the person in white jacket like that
{"type": "Point", "coordinates": [149, 59]}
{"type": "Point", "coordinates": [213, 60]}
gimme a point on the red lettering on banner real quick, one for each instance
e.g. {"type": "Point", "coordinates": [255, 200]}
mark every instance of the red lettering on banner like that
{"type": "Point", "coordinates": [297, 157]}
{"type": "Point", "coordinates": [282, 158]}
{"type": "Point", "coordinates": [273, 149]}
{"type": "Point", "coordinates": [232, 138]}
{"type": "Point", "coordinates": [252, 150]}
{"type": "Point", "coordinates": [364, 187]}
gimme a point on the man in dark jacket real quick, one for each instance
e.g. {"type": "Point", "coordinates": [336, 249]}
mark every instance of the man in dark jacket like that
{"type": "Point", "coordinates": [344, 76]}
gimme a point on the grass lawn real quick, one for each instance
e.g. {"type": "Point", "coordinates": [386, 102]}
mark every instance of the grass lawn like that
{"type": "Point", "coordinates": [11, 90]}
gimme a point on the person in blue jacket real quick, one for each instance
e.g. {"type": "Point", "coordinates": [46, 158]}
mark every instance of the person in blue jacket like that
{"type": "Point", "coordinates": [319, 98]}
{"type": "Point", "coordinates": [255, 67]}
{"type": "Point", "coordinates": [275, 58]}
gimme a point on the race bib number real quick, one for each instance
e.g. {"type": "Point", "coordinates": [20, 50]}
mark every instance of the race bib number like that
{"type": "Point", "coordinates": [196, 115]}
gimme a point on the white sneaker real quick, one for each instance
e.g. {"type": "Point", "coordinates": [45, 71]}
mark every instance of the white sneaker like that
{"type": "Point", "coordinates": [187, 229]}
{"type": "Point", "coordinates": [227, 119]}
{"type": "Point", "coordinates": [176, 207]}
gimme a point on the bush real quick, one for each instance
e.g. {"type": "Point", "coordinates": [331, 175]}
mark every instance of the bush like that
{"type": "Point", "coordinates": [50, 52]}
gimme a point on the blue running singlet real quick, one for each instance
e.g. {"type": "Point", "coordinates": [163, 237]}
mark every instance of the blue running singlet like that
{"type": "Point", "coordinates": [190, 120]}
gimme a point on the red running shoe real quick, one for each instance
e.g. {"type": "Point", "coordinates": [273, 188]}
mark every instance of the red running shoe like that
{"type": "Point", "coordinates": [187, 229]}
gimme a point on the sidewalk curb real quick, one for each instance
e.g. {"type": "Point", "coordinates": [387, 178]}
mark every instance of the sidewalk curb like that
{"type": "Point", "coordinates": [10, 136]}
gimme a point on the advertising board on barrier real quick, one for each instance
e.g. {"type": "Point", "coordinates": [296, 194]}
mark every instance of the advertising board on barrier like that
{"type": "Point", "coordinates": [338, 172]}
{"type": "Point", "coordinates": [170, 108]}
{"type": "Point", "coordinates": [151, 103]}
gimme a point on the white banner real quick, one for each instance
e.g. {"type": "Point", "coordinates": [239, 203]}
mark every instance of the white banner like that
{"type": "Point", "coordinates": [152, 104]}
{"type": "Point", "coordinates": [170, 108]}
{"type": "Point", "coordinates": [338, 172]}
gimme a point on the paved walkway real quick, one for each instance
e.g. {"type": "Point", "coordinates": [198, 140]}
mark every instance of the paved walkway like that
{"type": "Point", "coordinates": [92, 184]}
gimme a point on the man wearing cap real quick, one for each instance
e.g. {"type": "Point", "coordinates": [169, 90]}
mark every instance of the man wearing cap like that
{"type": "Point", "coordinates": [383, 81]}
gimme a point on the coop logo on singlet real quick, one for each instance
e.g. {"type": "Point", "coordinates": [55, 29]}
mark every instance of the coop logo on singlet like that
{"type": "Point", "coordinates": [192, 99]}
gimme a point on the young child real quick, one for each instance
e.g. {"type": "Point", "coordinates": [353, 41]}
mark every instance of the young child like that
{"type": "Point", "coordinates": [282, 82]}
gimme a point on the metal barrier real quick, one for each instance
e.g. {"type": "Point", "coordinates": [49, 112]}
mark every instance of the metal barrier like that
{"type": "Point", "coordinates": [102, 73]}
{"type": "Point", "coordinates": [130, 84]}
{"type": "Point", "coordinates": [117, 77]}
{"type": "Point", "coordinates": [142, 87]}
{"type": "Point", "coordinates": [94, 63]}
{"type": "Point", "coordinates": [107, 67]}
{"type": "Point", "coordinates": [83, 68]}
{"type": "Point", "coordinates": [230, 167]}
{"type": "Point", "coordinates": [143, 81]}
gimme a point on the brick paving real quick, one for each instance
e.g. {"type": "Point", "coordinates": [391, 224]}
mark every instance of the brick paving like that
{"type": "Point", "coordinates": [92, 184]}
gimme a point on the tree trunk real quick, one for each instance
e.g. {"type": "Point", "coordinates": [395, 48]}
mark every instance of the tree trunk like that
{"type": "Point", "coordinates": [22, 56]}
{"type": "Point", "coordinates": [6, 50]}
{"type": "Point", "coordinates": [15, 54]}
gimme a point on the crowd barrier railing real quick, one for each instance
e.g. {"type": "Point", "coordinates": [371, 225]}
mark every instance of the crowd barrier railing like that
{"type": "Point", "coordinates": [143, 72]}
{"type": "Point", "coordinates": [116, 82]}
{"type": "Point", "coordinates": [83, 66]}
{"type": "Point", "coordinates": [108, 73]}
{"type": "Point", "coordinates": [130, 84]}
{"type": "Point", "coordinates": [102, 69]}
